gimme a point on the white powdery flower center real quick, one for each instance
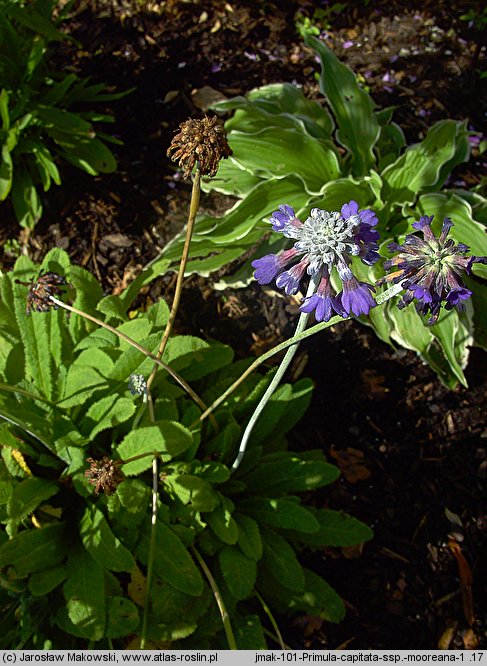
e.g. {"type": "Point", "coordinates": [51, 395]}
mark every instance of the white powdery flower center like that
{"type": "Point", "coordinates": [327, 237]}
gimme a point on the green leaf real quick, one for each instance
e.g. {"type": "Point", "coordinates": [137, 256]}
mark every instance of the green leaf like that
{"type": "Point", "coordinates": [249, 633]}
{"type": "Point", "coordinates": [25, 199]}
{"type": "Point", "coordinates": [195, 356]}
{"type": "Point", "coordinates": [238, 570]}
{"type": "Point", "coordinates": [290, 474]}
{"type": "Point", "coordinates": [43, 582]}
{"type": "Point", "coordinates": [34, 549]}
{"type": "Point", "coordinates": [84, 591]}
{"type": "Point", "coordinates": [6, 173]}
{"type": "Point", "coordinates": [28, 495]}
{"type": "Point", "coordinates": [249, 538]}
{"type": "Point", "coordinates": [319, 598]}
{"type": "Point", "coordinates": [122, 617]}
{"type": "Point", "coordinates": [102, 544]}
{"type": "Point", "coordinates": [193, 491]}
{"type": "Point", "coordinates": [108, 412]}
{"type": "Point", "coordinates": [422, 165]}
{"type": "Point", "coordinates": [166, 437]}
{"type": "Point", "coordinates": [172, 561]}
{"type": "Point", "coordinates": [285, 408]}
{"type": "Point", "coordinates": [31, 19]}
{"type": "Point", "coordinates": [92, 156]}
{"type": "Point", "coordinates": [278, 152]}
{"type": "Point", "coordinates": [358, 129]}
{"type": "Point", "coordinates": [335, 529]}
{"type": "Point", "coordinates": [279, 561]}
{"type": "Point", "coordinates": [453, 334]}
{"type": "Point", "coordinates": [280, 513]}
{"type": "Point", "coordinates": [223, 524]}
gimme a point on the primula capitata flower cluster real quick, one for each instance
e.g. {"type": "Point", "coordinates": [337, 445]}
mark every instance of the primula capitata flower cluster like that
{"type": "Point", "coordinates": [104, 474]}
{"type": "Point", "coordinates": [137, 384]}
{"type": "Point", "coordinates": [430, 269]}
{"type": "Point", "coordinates": [40, 291]}
{"type": "Point", "coordinates": [325, 240]}
{"type": "Point", "coordinates": [203, 141]}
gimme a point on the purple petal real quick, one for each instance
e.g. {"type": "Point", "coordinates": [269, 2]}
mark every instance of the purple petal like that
{"type": "Point", "coordinates": [349, 209]}
{"type": "Point", "coordinates": [266, 268]}
{"type": "Point", "coordinates": [356, 297]}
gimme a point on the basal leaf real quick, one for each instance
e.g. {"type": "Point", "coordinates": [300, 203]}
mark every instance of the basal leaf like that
{"type": "Point", "coordinates": [290, 474]}
{"type": "Point", "coordinates": [193, 491]}
{"type": "Point", "coordinates": [335, 529]}
{"type": "Point", "coordinates": [238, 570]}
{"type": "Point", "coordinates": [279, 561]}
{"type": "Point", "coordinates": [122, 617]}
{"type": "Point", "coordinates": [280, 513]}
{"type": "Point", "coordinates": [108, 412]}
{"type": "Point", "coordinates": [102, 544]}
{"type": "Point", "coordinates": [84, 591]}
{"type": "Point", "coordinates": [166, 437]}
{"type": "Point", "coordinates": [35, 549]}
{"type": "Point", "coordinates": [43, 582]}
{"type": "Point", "coordinates": [223, 524]}
{"type": "Point", "coordinates": [28, 495]}
{"type": "Point", "coordinates": [172, 562]}
{"type": "Point", "coordinates": [249, 633]}
{"type": "Point", "coordinates": [249, 538]}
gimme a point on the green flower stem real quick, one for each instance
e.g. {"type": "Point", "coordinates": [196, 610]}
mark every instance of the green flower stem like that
{"type": "Point", "coordinates": [381, 298]}
{"type": "Point", "coordinates": [219, 600]}
{"type": "Point", "coordinates": [268, 612]}
{"type": "Point", "coordinates": [283, 366]}
{"type": "Point", "coordinates": [152, 552]}
{"type": "Point", "coordinates": [27, 429]}
{"type": "Point", "coordinates": [193, 209]}
{"type": "Point", "coordinates": [194, 396]}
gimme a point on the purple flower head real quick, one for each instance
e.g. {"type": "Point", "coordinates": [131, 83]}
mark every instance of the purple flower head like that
{"type": "Point", "coordinates": [430, 269]}
{"type": "Point", "coordinates": [324, 241]}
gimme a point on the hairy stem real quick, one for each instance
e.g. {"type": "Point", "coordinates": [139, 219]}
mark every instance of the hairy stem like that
{"type": "Point", "coordinates": [193, 209]}
{"type": "Point", "coordinates": [152, 552]}
{"type": "Point", "coordinates": [219, 600]}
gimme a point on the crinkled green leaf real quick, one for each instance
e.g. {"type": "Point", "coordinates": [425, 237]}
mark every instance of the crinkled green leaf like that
{"type": "Point", "coordinates": [108, 412]}
{"type": "Point", "coordinates": [28, 495]}
{"type": "Point", "coordinates": [238, 570]}
{"type": "Point", "coordinates": [279, 561]}
{"type": "Point", "coordinates": [290, 474]}
{"type": "Point", "coordinates": [102, 544]}
{"type": "Point", "coordinates": [192, 490]}
{"type": "Point", "coordinates": [34, 549]}
{"type": "Point", "coordinates": [172, 562]}
{"type": "Point", "coordinates": [249, 538]}
{"type": "Point", "coordinates": [84, 591]}
{"type": "Point", "coordinates": [122, 617]}
{"type": "Point", "coordinates": [280, 513]}
{"type": "Point", "coordinates": [249, 633]}
{"type": "Point", "coordinates": [223, 524]}
{"type": "Point", "coordinates": [166, 437]}
{"type": "Point", "coordinates": [43, 582]}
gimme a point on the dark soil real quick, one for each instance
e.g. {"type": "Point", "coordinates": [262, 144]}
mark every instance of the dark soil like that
{"type": "Point", "coordinates": [413, 454]}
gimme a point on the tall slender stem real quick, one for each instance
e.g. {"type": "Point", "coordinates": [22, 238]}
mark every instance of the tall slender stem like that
{"type": "Point", "coordinates": [152, 552]}
{"type": "Point", "coordinates": [193, 209]}
{"type": "Point", "coordinates": [283, 366]}
{"type": "Point", "coordinates": [219, 600]}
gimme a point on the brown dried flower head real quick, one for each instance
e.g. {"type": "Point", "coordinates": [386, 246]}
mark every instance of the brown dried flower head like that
{"type": "Point", "coordinates": [105, 475]}
{"type": "Point", "coordinates": [203, 141]}
{"type": "Point", "coordinates": [38, 297]}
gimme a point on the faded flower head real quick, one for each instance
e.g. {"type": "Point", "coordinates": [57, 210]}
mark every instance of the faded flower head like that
{"type": "Point", "coordinates": [46, 285]}
{"type": "Point", "coordinates": [137, 384]}
{"type": "Point", "coordinates": [430, 269]}
{"type": "Point", "coordinates": [105, 475]}
{"type": "Point", "coordinates": [323, 241]}
{"type": "Point", "coordinates": [203, 141]}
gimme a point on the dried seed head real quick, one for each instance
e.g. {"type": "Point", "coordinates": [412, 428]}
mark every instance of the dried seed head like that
{"type": "Point", "coordinates": [203, 141]}
{"type": "Point", "coordinates": [105, 475]}
{"type": "Point", "coordinates": [38, 297]}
